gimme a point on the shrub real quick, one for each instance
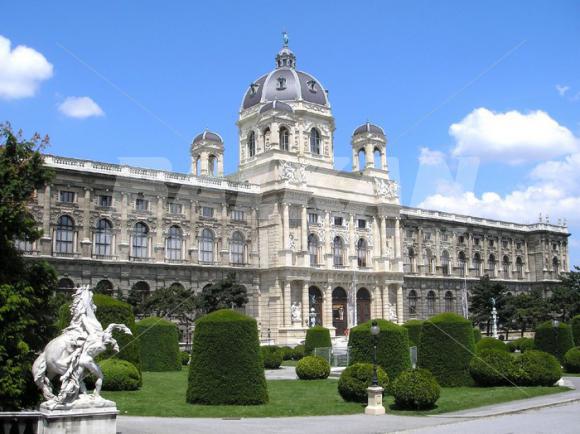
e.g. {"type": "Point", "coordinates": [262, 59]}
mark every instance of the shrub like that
{"type": "Point", "coordinates": [522, 345]}
{"type": "Point", "coordinates": [553, 340]}
{"type": "Point", "coordinates": [354, 381]}
{"type": "Point", "coordinates": [110, 310]}
{"type": "Point", "coordinates": [446, 348]}
{"type": "Point", "coordinates": [120, 375]}
{"type": "Point", "coordinates": [415, 389]}
{"type": "Point", "coordinates": [272, 357]}
{"type": "Point", "coordinates": [476, 335]}
{"type": "Point", "coordinates": [490, 344]}
{"type": "Point", "coordinates": [287, 353]}
{"type": "Point", "coordinates": [159, 345]}
{"type": "Point", "coordinates": [313, 368]}
{"type": "Point", "coordinates": [575, 324]}
{"type": "Point", "coordinates": [226, 365]}
{"type": "Point", "coordinates": [184, 357]}
{"type": "Point", "coordinates": [392, 346]}
{"type": "Point", "coordinates": [572, 360]}
{"type": "Point", "coordinates": [414, 326]}
{"type": "Point", "coordinates": [492, 367]}
{"type": "Point", "coordinates": [316, 337]}
{"type": "Point", "coordinates": [536, 368]}
{"type": "Point", "coordinates": [298, 352]}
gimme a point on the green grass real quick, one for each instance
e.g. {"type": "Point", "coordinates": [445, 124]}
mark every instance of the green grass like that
{"type": "Point", "coordinates": [570, 374]}
{"type": "Point", "coordinates": [163, 394]}
{"type": "Point", "coordinates": [289, 362]}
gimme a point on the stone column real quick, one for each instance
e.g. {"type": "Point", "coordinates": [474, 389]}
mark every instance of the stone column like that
{"type": "Point", "coordinates": [204, 163]}
{"type": "Point", "coordinates": [287, 320]}
{"type": "Point", "coordinates": [527, 262]}
{"type": "Point", "coordinates": [220, 165]}
{"type": "Point", "coordinates": [86, 236]}
{"type": "Point", "coordinates": [285, 226]}
{"type": "Point", "coordinates": [355, 162]}
{"type": "Point", "coordinates": [327, 307]}
{"type": "Point", "coordinates": [352, 252]}
{"type": "Point", "coordinates": [485, 256]}
{"type": "Point", "coordinates": [398, 244]}
{"type": "Point", "coordinates": [369, 155]}
{"type": "Point", "coordinates": [123, 250]}
{"type": "Point", "coordinates": [384, 159]}
{"type": "Point", "coordinates": [305, 305]}
{"type": "Point", "coordinates": [328, 242]}
{"type": "Point", "coordinates": [382, 238]}
{"type": "Point", "coordinates": [304, 232]}
{"type": "Point", "coordinates": [159, 253]}
{"type": "Point", "coordinates": [419, 256]}
{"type": "Point", "coordinates": [400, 309]}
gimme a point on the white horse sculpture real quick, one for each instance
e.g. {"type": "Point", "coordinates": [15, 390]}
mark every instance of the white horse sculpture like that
{"type": "Point", "coordinates": [71, 354]}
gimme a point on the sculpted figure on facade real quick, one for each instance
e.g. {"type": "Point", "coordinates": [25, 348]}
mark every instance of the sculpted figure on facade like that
{"type": "Point", "coordinates": [292, 173]}
{"type": "Point", "coordinates": [386, 189]}
{"type": "Point", "coordinates": [295, 312]}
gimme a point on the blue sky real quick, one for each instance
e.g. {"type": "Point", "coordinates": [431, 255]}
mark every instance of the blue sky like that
{"type": "Point", "coordinates": [480, 101]}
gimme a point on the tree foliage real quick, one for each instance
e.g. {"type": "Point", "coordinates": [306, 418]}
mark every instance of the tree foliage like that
{"type": "Point", "coordinates": [565, 298]}
{"type": "Point", "coordinates": [223, 294]}
{"type": "Point", "coordinates": [524, 311]}
{"type": "Point", "coordinates": [481, 299]}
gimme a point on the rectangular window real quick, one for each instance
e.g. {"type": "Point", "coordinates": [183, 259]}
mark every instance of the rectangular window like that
{"type": "Point", "coordinates": [337, 221]}
{"type": "Point", "coordinates": [141, 204]}
{"type": "Point", "coordinates": [504, 244]}
{"type": "Point", "coordinates": [312, 218]}
{"type": "Point", "coordinates": [361, 223]}
{"type": "Point", "coordinates": [175, 208]}
{"type": "Point", "coordinates": [106, 201]}
{"type": "Point", "coordinates": [207, 212]}
{"type": "Point", "coordinates": [444, 236]}
{"type": "Point", "coordinates": [490, 243]}
{"type": "Point", "coordinates": [238, 215]}
{"type": "Point", "coordinates": [67, 196]}
{"type": "Point", "coordinates": [460, 239]}
{"type": "Point", "coordinates": [518, 245]}
{"type": "Point", "coordinates": [476, 241]}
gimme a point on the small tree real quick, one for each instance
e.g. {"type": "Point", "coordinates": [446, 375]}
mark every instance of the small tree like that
{"type": "Point", "coordinates": [223, 294]}
{"type": "Point", "coordinates": [481, 304]}
{"type": "Point", "coordinates": [566, 297]}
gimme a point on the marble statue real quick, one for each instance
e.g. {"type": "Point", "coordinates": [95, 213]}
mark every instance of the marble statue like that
{"type": "Point", "coordinates": [295, 313]}
{"type": "Point", "coordinates": [72, 356]}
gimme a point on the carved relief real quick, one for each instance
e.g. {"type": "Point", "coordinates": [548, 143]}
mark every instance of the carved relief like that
{"type": "Point", "coordinates": [386, 189]}
{"type": "Point", "coordinates": [293, 173]}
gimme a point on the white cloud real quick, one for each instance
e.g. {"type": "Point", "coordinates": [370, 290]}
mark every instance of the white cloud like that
{"type": "Point", "coordinates": [511, 137]}
{"type": "Point", "coordinates": [22, 69]}
{"type": "Point", "coordinates": [429, 157]}
{"type": "Point", "coordinates": [80, 107]}
{"type": "Point", "coordinates": [562, 89]}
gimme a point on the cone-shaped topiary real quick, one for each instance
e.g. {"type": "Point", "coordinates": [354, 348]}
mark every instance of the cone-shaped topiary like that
{"type": "Point", "coordinates": [488, 343]}
{"type": "Point", "coordinates": [476, 335]}
{"type": "Point", "coordinates": [575, 324]}
{"type": "Point", "coordinates": [316, 337]}
{"type": "Point", "coordinates": [159, 344]}
{"type": "Point", "coordinates": [414, 327]}
{"type": "Point", "coordinates": [226, 364]}
{"type": "Point", "coordinates": [446, 348]}
{"type": "Point", "coordinates": [392, 346]}
{"type": "Point", "coordinates": [554, 340]}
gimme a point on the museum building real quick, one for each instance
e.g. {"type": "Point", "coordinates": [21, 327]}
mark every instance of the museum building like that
{"type": "Point", "coordinates": [312, 244]}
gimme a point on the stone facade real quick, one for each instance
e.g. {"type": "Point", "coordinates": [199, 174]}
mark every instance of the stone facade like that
{"type": "Point", "coordinates": [295, 230]}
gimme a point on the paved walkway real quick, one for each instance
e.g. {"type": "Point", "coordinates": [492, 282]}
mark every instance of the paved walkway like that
{"type": "Point", "coordinates": [548, 414]}
{"type": "Point", "coordinates": [284, 373]}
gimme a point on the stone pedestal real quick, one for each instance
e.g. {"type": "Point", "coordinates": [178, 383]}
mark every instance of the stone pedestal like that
{"type": "Point", "coordinates": [375, 403]}
{"type": "Point", "coordinates": [84, 416]}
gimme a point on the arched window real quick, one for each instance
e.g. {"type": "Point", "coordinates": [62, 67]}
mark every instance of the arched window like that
{"type": "Point", "coordinates": [338, 252]}
{"type": "Point", "coordinates": [519, 267]}
{"type": "Point", "coordinates": [428, 261]}
{"type": "Point", "coordinates": [314, 141]}
{"type": "Point", "coordinates": [237, 248]}
{"type": "Point", "coordinates": [206, 246]}
{"type": "Point", "coordinates": [103, 238]}
{"type": "Point", "coordinates": [506, 267]}
{"type": "Point", "coordinates": [65, 229]}
{"type": "Point", "coordinates": [555, 264]}
{"type": "Point", "coordinates": [313, 247]}
{"type": "Point", "coordinates": [461, 263]}
{"type": "Point", "coordinates": [65, 284]}
{"type": "Point", "coordinates": [449, 301]}
{"type": "Point", "coordinates": [477, 264]}
{"type": "Point", "coordinates": [176, 286]}
{"type": "Point", "coordinates": [377, 159]}
{"type": "Point", "coordinates": [174, 244]}
{"type": "Point", "coordinates": [140, 240]}
{"type": "Point", "coordinates": [431, 303]}
{"type": "Point", "coordinates": [491, 265]}
{"type": "Point", "coordinates": [104, 287]}
{"type": "Point", "coordinates": [412, 297]}
{"type": "Point", "coordinates": [251, 144]}
{"type": "Point", "coordinates": [362, 159]}
{"type": "Point", "coordinates": [361, 251]}
{"type": "Point", "coordinates": [409, 267]}
{"type": "Point", "coordinates": [267, 135]}
{"type": "Point", "coordinates": [284, 139]}
{"type": "Point", "coordinates": [445, 263]}
{"type": "Point", "coordinates": [139, 292]}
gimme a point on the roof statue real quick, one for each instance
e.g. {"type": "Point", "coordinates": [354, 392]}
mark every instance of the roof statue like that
{"type": "Point", "coordinates": [285, 38]}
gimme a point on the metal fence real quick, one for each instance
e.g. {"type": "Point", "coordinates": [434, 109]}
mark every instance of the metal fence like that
{"type": "Point", "coordinates": [336, 357]}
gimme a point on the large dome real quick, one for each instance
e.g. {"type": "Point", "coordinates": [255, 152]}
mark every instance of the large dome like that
{"type": "Point", "coordinates": [285, 83]}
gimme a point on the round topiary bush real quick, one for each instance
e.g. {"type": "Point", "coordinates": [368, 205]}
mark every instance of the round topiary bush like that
{"type": "Point", "coordinates": [316, 337]}
{"type": "Point", "coordinates": [226, 364]}
{"type": "Point", "coordinates": [490, 344]}
{"type": "Point", "coordinates": [392, 346]}
{"type": "Point", "coordinates": [415, 389]}
{"type": "Point", "coordinates": [159, 345]}
{"type": "Point", "coordinates": [297, 352]}
{"type": "Point", "coordinates": [313, 368]}
{"type": "Point", "coordinates": [110, 310]}
{"type": "Point", "coordinates": [572, 360]}
{"type": "Point", "coordinates": [414, 327]}
{"type": "Point", "coordinates": [354, 381]}
{"type": "Point", "coordinates": [184, 357]}
{"type": "Point", "coordinates": [575, 324]}
{"type": "Point", "coordinates": [446, 348]}
{"type": "Point", "coordinates": [287, 353]}
{"type": "Point", "coordinates": [554, 340]}
{"type": "Point", "coordinates": [492, 367]}
{"type": "Point", "coordinates": [272, 357]}
{"type": "Point", "coordinates": [536, 368]}
{"type": "Point", "coordinates": [522, 345]}
{"type": "Point", "coordinates": [476, 335]}
{"type": "Point", "coordinates": [120, 375]}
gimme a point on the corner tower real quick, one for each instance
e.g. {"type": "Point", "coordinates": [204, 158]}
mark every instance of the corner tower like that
{"type": "Point", "coordinates": [369, 149]}
{"type": "Point", "coordinates": [207, 154]}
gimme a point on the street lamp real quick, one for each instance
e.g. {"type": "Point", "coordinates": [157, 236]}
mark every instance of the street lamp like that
{"type": "Point", "coordinates": [375, 330]}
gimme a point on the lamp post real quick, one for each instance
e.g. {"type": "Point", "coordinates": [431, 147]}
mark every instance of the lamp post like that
{"type": "Point", "coordinates": [375, 392]}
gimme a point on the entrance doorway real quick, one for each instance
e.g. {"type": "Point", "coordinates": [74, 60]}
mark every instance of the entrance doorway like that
{"type": "Point", "coordinates": [339, 313]}
{"type": "Point", "coordinates": [315, 301]}
{"type": "Point", "coordinates": [363, 305]}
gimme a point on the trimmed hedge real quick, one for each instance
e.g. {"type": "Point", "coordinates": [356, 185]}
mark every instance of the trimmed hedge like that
{"type": "Point", "coordinates": [414, 327]}
{"type": "Point", "coordinates": [392, 346]}
{"type": "Point", "coordinates": [287, 352]}
{"type": "Point", "coordinates": [354, 381]}
{"type": "Point", "coordinates": [476, 335]}
{"type": "Point", "coordinates": [159, 344]}
{"type": "Point", "coordinates": [446, 348]}
{"type": "Point", "coordinates": [110, 310]}
{"type": "Point", "coordinates": [490, 344]}
{"type": "Point", "coordinates": [575, 324]}
{"type": "Point", "coordinates": [572, 360]}
{"type": "Point", "coordinates": [416, 389]}
{"type": "Point", "coordinates": [536, 368]}
{"type": "Point", "coordinates": [492, 367]}
{"type": "Point", "coordinates": [316, 337]}
{"type": "Point", "coordinates": [521, 344]}
{"type": "Point", "coordinates": [554, 340]}
{"type": "Point", "coordinates": [298, 352]}
{"type": "Point", "coordinates": [184, 357]}
{"type": "Point", "coordinates": [272, 357]}
{"type": "Point", "coordinates": [226, 363]}
{"type": "Point", "coordinates": [120, 375]}
{"type": "Point", "coordinates": [313, 368]}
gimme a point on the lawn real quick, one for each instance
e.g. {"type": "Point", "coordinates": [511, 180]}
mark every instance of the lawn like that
{"type": "Point", "coordinates": [163, 394]}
